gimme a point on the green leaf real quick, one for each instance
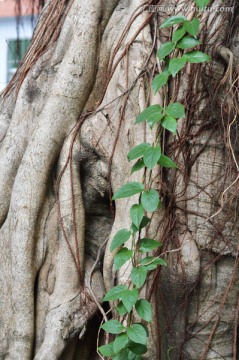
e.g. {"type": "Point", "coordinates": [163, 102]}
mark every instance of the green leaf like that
{"type": "Point", "coordinates": [138, 276]}
{"type": "Point", "coordinates": [137, 334]}
{"type": "Point", "coordinates": [132, 356]}
{"type": "Point", "coordinates": [114, 293]}
{"type": "Point", "coordinates": [178, 34]}
{"type": "Point", "coordinates": [173, 20]}
{"type": "Point", "coordinates": [147, 245]}
{"type": "Point", "coordinates": [120, 342]}
{"type": "Point", "coordinates": [113, 327]}
{"type": "Point", "coordinates": [152, 122]}
{"type": "Point", "coordinates": [107, 350]}
{"type": "Point", "coordinates": [120, 238]}
{"type": "Point", "coordinates": [175, 110]}
{"type": "Point", "coordinates": [129, 189]}
{"type": "Point", "coordinates": [144, 309]}
{"type": "Point", "coordinates": [151, 156]}
{"type": "Point", "coordinates": [152, 262]}
{"type": "Point", "coordinates": [146, 329]}
{"type": "Point", "coordinates": [160, 80]}
{"type": "Point", "coordinates": [175, 65]}
{"type": "Point", "coordinates": [134, 229]}
{"type": "Point", "coordinates": [121, 309]}
{"type": "Point", "coordinates": [187, 42]}
{"type": "Point", "coordinates": [138, 151]}
{"type": "Point", "coordinates": [165, 161]}
{"type": "Point", "coordinates": [192, 27]}
{"type": "Point", "coordinates": [136, 214]}
{"type": "Point", "coordinates": [151, 113]}
{"type": "Point", "coordinates": [129, 298]}
{"type": "Point", "coordinates": [170, 124]}
{"type": "Point", "coordinates": [123, 355]}
{"type": "Point", "coordinates": [202, 3]}
{"type": "Point", "coordinates": [195, 57]}
{"type": "Point", "coordinates": [150, 200]}
{"type": "Point", "coordinates": [144, 222]}
{"type": "Point", "coordinates": [137, 166]}
{"type": "Point", "coordinates": [165, 49]}
{"type": "Point", "coordinates": [137, 348]}
{"type": "Point", "coordinates": [121, 257]}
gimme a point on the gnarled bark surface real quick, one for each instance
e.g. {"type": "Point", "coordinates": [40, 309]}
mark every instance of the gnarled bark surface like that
{"type": "Point", "coordinates": [66, 126]}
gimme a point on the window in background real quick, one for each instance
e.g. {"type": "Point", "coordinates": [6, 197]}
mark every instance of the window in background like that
{"type": "Point", "coordinates": [15, 53]}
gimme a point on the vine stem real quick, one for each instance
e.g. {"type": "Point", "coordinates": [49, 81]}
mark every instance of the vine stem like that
{"type": "Point", "coordinates": [164, 118]}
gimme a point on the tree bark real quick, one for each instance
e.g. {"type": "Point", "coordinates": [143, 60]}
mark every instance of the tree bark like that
{"type": "Point", "coordinates": [66, 127]}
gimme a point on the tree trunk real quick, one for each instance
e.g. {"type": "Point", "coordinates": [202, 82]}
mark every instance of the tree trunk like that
{"type": "Point", "coordinates": [66, 126]}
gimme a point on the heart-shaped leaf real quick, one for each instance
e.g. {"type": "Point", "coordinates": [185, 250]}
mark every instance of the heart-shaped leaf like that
{"type": "Point", "coordinates": [187, 42]}
{"type": "Point", "coordinates": [119, 239]}
{"type": "Point", "coordinates": [113, 327]}
{"type": "Point", "coordinates": [107, 350]}
{"type": "Point", "coordinates": [136, 214]}
{"type": "Point", "coordinates": [147, 245]}
{"type": "Point", "coordinates": [175, 110]}
{"type": "Point", "coordinates": [129, 298]}
{"type": "Point", "coordinates": [138, 151]}
{"type": "Point", "coordinates": [144, 309]}
{"type": "Point", "coordinates": [150, 200]}
{"type": "Point", "coordinates": [114, 293]}
{"type": "Point", "coordinates": [202, 3]}
{"type": "Point", "coordinates": [160, 80]}
{"type": "Point", "coordinates": [129, 189]}
{"type": "Point", "coordinates": [170, 124]}
{"type": "Point", "coordinates": [152, 262]}
{"type": "Point", "coordinates": [151, 113]}
{"type": "Point", "coordinates": [192, 27]}
{"type": "Point", "coordinates": [178, 34]}
{"type": "Point", "coordinates": [151, 156]}
{"type": "Point", "coordinates": [195, 57]}
{"type": "Point", "coordinates": [138, 276]}
{"type": "Point", "coordinates": [121, 309]}
{"type": "Point", "coordinates": [173, 20]}
{"type": "Point", "coordinates": [165, 49]}
{"type": "Point", "coordinates": [175, 65]}
{"type": "Point", "coordinates": [165, 161]}
{"type": "Point", "coordinates": [137, 166]}
{"type": "Point", "coordinates": [120, 342]}
{"type": "Point", "coordinates": [122, 256]}
{"type": "Point", "coordinates": [137, 334]}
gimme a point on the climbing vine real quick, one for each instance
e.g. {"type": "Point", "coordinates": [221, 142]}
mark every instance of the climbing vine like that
{"type": "Point", "coordinates": [129, 245]}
